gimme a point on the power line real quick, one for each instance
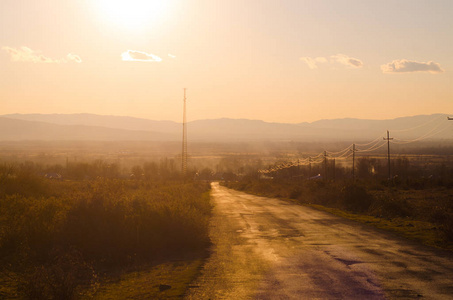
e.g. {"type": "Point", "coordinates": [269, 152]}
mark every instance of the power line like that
{"type": "Point", "coordinates": [427, 135]}
{"type": "Point", "coordinates": [374, 145]}
{"type": "Point", "coordinates": [374, 148]}
{"type": "Point", "coordinates": [344, 155]}
{"type": "Point", "coordinates": [419, 126]}
{"type": "Point", "coordinates": [373, 141]}
{"type": "Point", "coordinates": [344, 150]}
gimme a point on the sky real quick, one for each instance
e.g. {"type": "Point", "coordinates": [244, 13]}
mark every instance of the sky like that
{"type": "Point", "coordinates": [284, 61]}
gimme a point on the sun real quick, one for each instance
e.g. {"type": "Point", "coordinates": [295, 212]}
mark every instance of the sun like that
{"type": "Point", "coordinates": [132, 14]}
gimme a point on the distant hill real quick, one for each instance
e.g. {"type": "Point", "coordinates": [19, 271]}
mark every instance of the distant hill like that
{"type": "Point", "coordinates": [391, 124]}
{"type": "Point", "coordinates": [118, 122]}
{"type": "Point", "coordinates": [99, 127]}
{"type": "Point", "coordinates": [20, 130]}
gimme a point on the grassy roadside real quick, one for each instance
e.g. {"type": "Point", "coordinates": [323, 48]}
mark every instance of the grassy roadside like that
{"type": "Point", "coordinates": [421, 215]}
{"type": "Point", "coordinates": [421, 231]}
{"type": "Point", "coordinates": [168, 280]}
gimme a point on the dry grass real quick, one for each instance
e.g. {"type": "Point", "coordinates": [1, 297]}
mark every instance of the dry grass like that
{"type": "Point", "coordinates": [58, 238]}
{"type": "Point", "coordinates": [164, 281]}
{"type": "Point", "coordinates": [421, 231]}
{"type": "Point", "coordinates": [425, 215]}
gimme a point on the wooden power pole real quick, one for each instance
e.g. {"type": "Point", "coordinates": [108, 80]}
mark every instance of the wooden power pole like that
{"type": "Point", "coordinates": [388, 139]}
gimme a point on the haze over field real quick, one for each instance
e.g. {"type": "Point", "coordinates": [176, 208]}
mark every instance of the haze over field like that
{"type": "Point", "coordinates": [287, 61]}
{"type": "Point", "coordinates": [17, 127]}
{"type": "Point", "coordinates": [186, 149]}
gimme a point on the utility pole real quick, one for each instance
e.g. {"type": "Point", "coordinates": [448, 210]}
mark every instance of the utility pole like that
{"type": "Point", "coordinates": [388, 139]}
{"type": "Point", "coordinates": [309, 166]}
{"type": "Point", "coordinates": [325, 165]}
{"type": "Point", "coordinates": [184, 139]}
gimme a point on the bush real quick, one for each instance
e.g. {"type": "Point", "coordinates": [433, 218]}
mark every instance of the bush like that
{"type": "Point", "coordinates": [448, 227]}
{"type": "Point", "coordinates": [113, 225]}
{"type": "Point", "coordinates": [356, 198]}
{"type": "Point", "coordinates": [444, 218]}
{"type": "Point", "coordinates": [295, 193]}
{"type": "Point", "coordinates": [22, 181]}
{"type": "Point", "coordinates": [58, 279]}
{"type": "Point", "coordinates": [29, 227]}
{"type": "Point", "coordinates": [52, 242]}
{"type": "Point", "coordinates": [390, 206]}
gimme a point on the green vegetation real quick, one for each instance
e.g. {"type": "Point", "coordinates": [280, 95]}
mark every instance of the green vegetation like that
{"type": "Point", "coordinates": [422, 214]}
{"type": "Point", "coordinates": [64, 239]}
{"type": "Point", "coordinates": [152, 282]}
{"type": "Point", "coordinates": [416, 202]}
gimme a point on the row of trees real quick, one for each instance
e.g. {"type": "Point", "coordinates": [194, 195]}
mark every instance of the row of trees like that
{"type": "Point", "coordinates": [439, 169]}
{"type": "Point", "coordinates": [403, 169]}
{"type": "Point", "coordinates": [163, 169]}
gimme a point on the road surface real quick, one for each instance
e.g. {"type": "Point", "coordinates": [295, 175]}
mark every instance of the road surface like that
{"type": "Point", "coordinates": [265, 248]}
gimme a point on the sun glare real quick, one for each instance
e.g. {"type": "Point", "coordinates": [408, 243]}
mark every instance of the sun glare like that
{"type": "Point", "coordinates": [132, 14]}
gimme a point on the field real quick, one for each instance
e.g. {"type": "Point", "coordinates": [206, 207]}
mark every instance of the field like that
{"type": "Point", "coordinates": [65, 239]}
{"type": "Point", "coordinates": [108, 220]}
{"type": "Point", "coordinates": [424, 214]}
{"type": "Point", "coordinates": [417, 201]}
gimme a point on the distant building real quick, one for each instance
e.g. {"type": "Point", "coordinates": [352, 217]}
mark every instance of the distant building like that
{"type": "Point", "coordinates": [55, 176]}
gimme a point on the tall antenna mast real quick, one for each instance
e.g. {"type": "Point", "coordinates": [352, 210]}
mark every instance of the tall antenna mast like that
{"type": "Point", "coordinates": [184, 139]}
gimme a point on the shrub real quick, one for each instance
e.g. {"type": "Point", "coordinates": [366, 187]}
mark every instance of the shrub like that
{"type": "Point", "coordinates": [112, 224]}
{"type": "Point", "coordinates": [21, 181]}
{"type": "Point", "coordinates": [108, 223]}
{"type": "Point", "coordinates": [295, 193]}
{"type": "Point", "coordinates": [29, 226]}
{"type": "Point", "coordinates": [390, 205]}
{"type": "Point", "coordinates": [356, 198]}
{"type": "Point", "coordinates": [58, 279]}
{"type": "Point", "coordinates": [448, 227]}
{"type": "Point", "coordinates": [444, 218]}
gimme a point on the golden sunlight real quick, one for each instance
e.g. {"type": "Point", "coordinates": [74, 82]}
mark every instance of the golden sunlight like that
{"type": "Point", "coordinates": [132, 14]}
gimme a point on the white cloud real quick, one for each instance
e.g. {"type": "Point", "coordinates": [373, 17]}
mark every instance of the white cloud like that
{"type": "Point", "coordinates": [339, 58]}
{"type": "Point", "coordinates": [171, 55]}
{"type": "Point", "coordinates": [25, 54]}
{"type": "Point", "coordinates": [313, 62]}
{"type": "Point", "coordinates": [132, 55]}
{"type": "Point", "coordinates": [74, 58]}
{"type": "Point", "coordinates": [407, 66]}
{"type": "Point", "coordinates": [347, 61]}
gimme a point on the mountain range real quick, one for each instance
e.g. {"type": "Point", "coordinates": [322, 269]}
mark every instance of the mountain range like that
{"type": "Point", "coordinates": [20, 127]}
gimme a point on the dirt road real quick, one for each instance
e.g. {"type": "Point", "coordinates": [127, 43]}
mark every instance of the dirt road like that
{"type": "Point", "coordinates": [265, 248]}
